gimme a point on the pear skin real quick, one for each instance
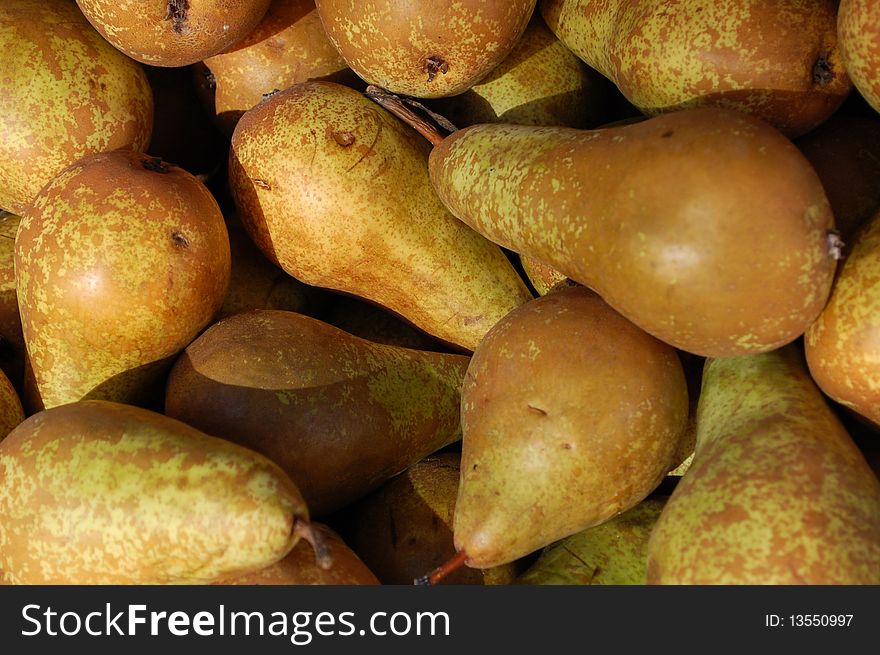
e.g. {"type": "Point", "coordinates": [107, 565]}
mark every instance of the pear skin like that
{"type": "Point", "coordinates": [859, 30]}
{"type": "Point", "coordinates": [96, 492]}
{"type": "Point", "coordinates": [843, 345]}
{"type": "Point", "coordinates": [11, 412]}
{"type": "Point", "coordinates": [542, 277]}
{"type": "Point", "coordinates": [612, 553]}
{"type": "Point", "coordinates": [778, 493]}
{"type": "Point", "coordinates": [570, 415]}
{"type": "Point", "coordinates": [707, 228]}
{"type": "Point", "coordinates": [779, 61]}
{"type": "Point", "coordinates": [339, 414]}
{"type": "Point", "coordinates": [335, 190]}
{"type": "Point", "coordinates": [119, 263]}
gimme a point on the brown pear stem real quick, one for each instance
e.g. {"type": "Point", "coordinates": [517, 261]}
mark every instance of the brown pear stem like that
{"type": "Point", "coordinates": [435, 576]}
{"type": "Point", "coordinates": [306, 530]}
{"type": "Point", "coordinates": [399, 108]}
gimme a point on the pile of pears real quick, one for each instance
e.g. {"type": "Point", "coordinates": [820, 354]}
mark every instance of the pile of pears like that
{"type": "Point", "coordinates": [488, 292]}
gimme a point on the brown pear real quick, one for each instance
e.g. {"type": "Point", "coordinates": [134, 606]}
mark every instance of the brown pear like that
{"type": "Point", "coordinates": [339, 414]}
{"type": "Point", "coordinates": [119, 263]}
{"type": "Point", "coordinates": [101, 493]}
{"type": "Point", "coordinates": [11, 412]}
{"type": "Point", "coordinates": [335, 190]}
{"type": "Point", "coordinates": [404, 528]}
{"type": "Point", "coordinates": [571, 415]}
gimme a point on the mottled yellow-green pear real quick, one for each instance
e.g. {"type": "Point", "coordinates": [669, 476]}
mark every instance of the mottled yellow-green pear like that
{"type": "Point", "coordinates": [858, 27]}
{"type": "Point", "coordinates": [777, 493]}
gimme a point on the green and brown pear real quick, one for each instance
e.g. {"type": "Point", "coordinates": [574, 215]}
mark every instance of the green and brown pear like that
{"type": "Point", "coordinates": [335, 190]}
{"type": "Point", "coordinates": [120, 262]}
{"type": "Point", "coordinates": [778, 492]}
{"type": "Point", "coordinates": [339, 414]}
{"type": "Point", "coordinates": [101, 493]}
{"type": "Point", "coordinates": [858, 27]}
{"type": "Point", "coordinates": [570, 415]}
{"type": "Point", "coordinates": [779, 61]}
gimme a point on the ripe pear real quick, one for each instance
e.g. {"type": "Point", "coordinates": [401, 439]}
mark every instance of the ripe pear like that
{"type": "Point", "coordinates": [706, 228]}
{"type": "Point", "coordinates": [64, 93]}
{"type": "Point", "coordinates": [845, 152]}
{"type": "Point", "coordinates": [101, 493]}
{"type": "Point", "coordinates": [843, 345]}
{"type": "Point", "coordinates": [612, 553]}
{"type": "Point", "coordinates": [570, 415]}
{"type": "Point", "coordinates": [424, 48]}
{"type": "Point", "coordinates": [541, 82]}
{"type": "Point", "coordinates": [858, 26]}
{"type": "Point", "coordinates": [778, 492]}
{"type": "Point", "coordinates": [11, 338]}
{"type": "Point", "coordinates": [119, 263]}
{"type": "Point", "coordinates": [779, 61]}
{"type": "Point", "coordinates": [335, 190]}
{"type": "Point", "coordinates": [287, 47]}
{"type": "Point", "coordinates": [339, 414]}
{"type": "Point", "coordinates": [300, 568]}
{"type": "Point", "coordinates": [543, 277]}
{"type": "Point", "coordinates": [404, 528]}
{"type": "Point", "coordinates": [173, 32]}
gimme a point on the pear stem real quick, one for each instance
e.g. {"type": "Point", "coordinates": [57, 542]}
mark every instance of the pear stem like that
{"type": "Point", "coordinates": [399, 108]}
{"type": "Point", "coordinates": [435, 576]}
{"type": "Point", "coordinates": [306, 530]}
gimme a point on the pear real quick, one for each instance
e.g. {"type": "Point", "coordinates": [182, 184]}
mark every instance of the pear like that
{"type": "Point", "coordinates": [570, 415]}
{"type": "Point", "coordinates": [336, 191]}
{"type": "Point", "coordinates": [424, 48]}
{"type": "Point", "coordinates": [541, 82]}
{"type": "Point", "coordinates": [543, 277]}
{"type": "Point", "coordinates": [779, 61]}
{"type": "Point", "coordinates": [11, 411]}
{"type": "Point", "coordinates": [96, 492]}
{"type": "Point", "coordinates": [119, 263]}
{"type": "Point", "coordinates": [404, 528]}
{"type": "Point", "coordinates": [843, 345]}
{"type": "Point", "coordinates": [859, 30]}
{"type": "Point", "coordinates": [339, 414]}
{"type": "Point", "coordinates": [300, 568]}
{"type": "Point", "coordinates": [287, 47]}
{"type": "Point", "coordinates": [65, 93]}
{"type": "Point", "coordinates": [373, 323]}
{"type": "Point", "coordinates": [11, 338]}
{"type": "Point", "coordinates": [706, 228]}
{"type": "Point", "coordinates": [173, 32]}
{"type": "Point", "coordinates": [778, 492]}
{"type": "Point", "coordinates": [612, 553]}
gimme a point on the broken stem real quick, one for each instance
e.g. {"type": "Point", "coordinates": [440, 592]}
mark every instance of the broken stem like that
{"type": "Point", "coordinates": [435, 576]}
{"type": "Point", "coordinates": [398, 107]}
{"type": "Point", "coordinates": [306, 530]}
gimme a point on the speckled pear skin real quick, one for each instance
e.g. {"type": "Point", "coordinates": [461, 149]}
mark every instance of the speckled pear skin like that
{"type": "Point", "coordinates": [706, 228]}
{"type": "Point", "coordinates": [612, 553]}
{"type": "Point", "coordinates": [541, 82]}
{"type": "Point", "coordinates": [287, 47]}
{"type": "Point", "coordinates": [404, 529]}
{"type": "Point", "coordinates": [11, 339]}
{"type": "Point", "coordinates": [173, 32]}
{"type": "Point", "coordinates": [777, 60]}
{"type": "Point", "coordinates": [843, 345]}
{"type": "Point", "coordinates": [858, 27]}
{"type": "Point", "coordinates": [120, 262]}
{"type": "Point", "coordinates": [101, 493]}
{"type": "Point", "coordinates": [424, 48]}
{"type": "Point", "coordinates": [299, 566]}
{"type": "Point", "coordinates": [339, 414]}
{"type": "Point", "coordinates": [542, 276]}
{"type": "Point", "coordinates": [11, 412]}
{"type": "Point", "coordinates": [335, 189]}
{"type": "Point", "coordinates": [81, 96]}
{"type": "Point", "coordinates": [778, 493]}
{"type": "Point", "coordinates": [570, 415]}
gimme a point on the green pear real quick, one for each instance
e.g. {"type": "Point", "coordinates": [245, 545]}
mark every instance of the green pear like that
{"type": "Point", "coordinates": [779, 61]}
{"type": "Point", "coordinates": [541, 82]}
{"type": "Point", "coordinates": [612, 553]}
{"type": "Point", "coordinates": [570, 415]}
{"type": "Point", "coordinates": [339, 414]}
{"type": "Point", "coordinates": [778, 493]}
{"type": "Point", "coordinates": [121, 260]}
{"type": "Point", "coordinates": [336, 191]}
{"type": "Point", "coordinates": [707, 228]}
{"type": "Point", "coordinates": [96, 492]}
{"type": "Point", "coordinates": [404, 528]}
